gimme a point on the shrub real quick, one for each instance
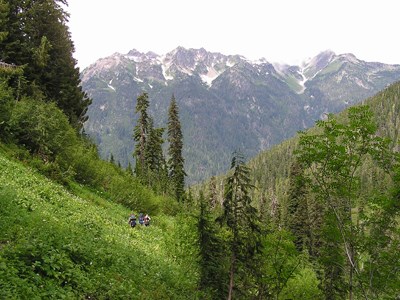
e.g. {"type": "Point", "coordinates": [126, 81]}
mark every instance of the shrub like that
{"type": "Point", "coordinates": [6, 105]}
{"type": "Point", "coordinates": [41, 127]}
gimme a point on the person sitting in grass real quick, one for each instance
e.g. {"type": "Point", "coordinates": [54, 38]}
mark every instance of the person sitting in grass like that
{"type": "Point", "coordinates": [141, 219]}
{"type": "Point", "coordinates": [132, 220]}
{"type": "Point", "coordinates": [147, 220]}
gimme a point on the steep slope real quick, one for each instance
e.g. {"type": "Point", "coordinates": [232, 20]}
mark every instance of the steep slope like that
{"type": "Point", "coordinates": [270, 169]}
{"type": "Point", "coordinates": [54, 244]}
{"type": "Point", "coordinates": [226, 102]}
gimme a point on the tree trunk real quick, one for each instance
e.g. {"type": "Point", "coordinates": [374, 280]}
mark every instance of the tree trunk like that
{"type": "Point", "coordinates": [231, 275]}
{"type": "Point", "coordinates": [351, 272]}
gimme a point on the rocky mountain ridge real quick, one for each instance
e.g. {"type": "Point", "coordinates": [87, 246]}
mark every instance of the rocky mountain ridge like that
{"type": "Point", "coordinates": [227, 102]}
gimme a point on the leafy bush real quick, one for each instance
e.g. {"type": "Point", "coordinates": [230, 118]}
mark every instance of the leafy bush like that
{"type": "Point", "coordinates": [304, 286]}
{"type": "Point", "coordinates": [6, 105]}
{"type": "Point", "coordinates": [41, 127]}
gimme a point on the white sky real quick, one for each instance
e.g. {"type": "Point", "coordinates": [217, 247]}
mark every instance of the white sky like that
{"type": "Point", "coordinates": [286, 31]}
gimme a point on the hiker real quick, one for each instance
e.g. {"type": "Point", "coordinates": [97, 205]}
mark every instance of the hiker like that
{"type": "Point", "coordinates": [141, 219]}
{"type": "Point", "coordinates": [132, 220]}
{"type": "Point", "coordinates": [147, 220]}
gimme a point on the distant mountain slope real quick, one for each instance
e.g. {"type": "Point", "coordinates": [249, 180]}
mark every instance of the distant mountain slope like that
{"type": "Point", "coordinates": [226, 102]}
{"type": "Point", "coordinates": [270, 169]}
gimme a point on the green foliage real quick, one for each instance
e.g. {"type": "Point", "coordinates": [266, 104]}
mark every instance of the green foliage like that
{"type": "Point", "coordinates": [212, 253]}
{"type": "Point", "coordinates": [374, 230]}
{"type": "Point", "coordinates": [298, 221]}
{"type": "Point", "coordinates": [6, 105]}
{"type": "Point", "coordinates": [381, 243]}
{"type": "Point", "coordinates": [237, 203]}
{"type": "Point", "coordinates": [280, 261]}
{"type": "Point", "coordinates": [38, 39]}
{"type": "Point", "coordinates": [151, 168]}
{"type": "Point", "coordinates": [241, 221]}
{"type": "Point", "coordinates": [333, 159]}
{"type": "Point", "coordinates": [303, 286]}
{"type": "Point", "coordinates": [157, 171]}
{"type": "Point", "coordinates": [41, 54]}
{"type": "Point", "coordinates": [41, 127]}
{"type": "Point", "coordinates": [140, 135]}
{"type": "Point", "coordinates": [176, 161]}
{"type": "Point", "coordinates": [4, 10]}
{"type": "Point", "coordinates": [59, 153]}
{"type": "Point", "coordinates": [54, 244]}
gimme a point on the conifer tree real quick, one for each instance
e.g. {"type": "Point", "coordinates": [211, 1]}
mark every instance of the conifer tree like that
{"type": "Point", "coordinates": [38, 39]}
{"type": "Point", "coordinates": [140, 135]}
{"type": "Point", "coordinates": [157, 173]}
{"type": "Point", "coordinates": [298, 217]}
{"type": "Point", "coordinates": [241, 220]}
{"type": "Point", "coordinates": [213, 192]}
{"type": "Point", "coordinates": [4, 10]}
{"type": "Point", "coordinates": [176, 161]}
{"type": "Point", "coordinates": [212, 253]}
{"type": "Point", "coordinates": [316, 213]}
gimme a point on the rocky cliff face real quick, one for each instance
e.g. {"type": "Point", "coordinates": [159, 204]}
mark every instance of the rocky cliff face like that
{"type": "Point", "coordinates": [226, 103]}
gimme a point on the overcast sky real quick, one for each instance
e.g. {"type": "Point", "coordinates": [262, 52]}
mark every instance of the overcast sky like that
{"type": "Point", "coordinates": [286, 31]}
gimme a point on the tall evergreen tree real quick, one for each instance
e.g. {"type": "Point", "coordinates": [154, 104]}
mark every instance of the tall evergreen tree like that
{"type": "Point", "coordinates": [140, 135]}
{"type": "Point", "coordinates": [38, 38]}
{"type": "Point", "coordinates": [213, 192]}
{"type": "Point", "coordinates": [241, 219]}
{"type": "Point", "coordinates": [212, 253]}
{"type": "Point", "coordinates": [298, 217]}
{"type": "Point", "coordinates": [157, 172]}
{"type": "Point", "coordinates": [176, 161]}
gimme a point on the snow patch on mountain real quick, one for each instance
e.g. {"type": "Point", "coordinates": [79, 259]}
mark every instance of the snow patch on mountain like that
{"type": "Point", "coordinates": [164, 71]}
{"type": "Point", "coordinates": [110, 86]}
{"type": "Point", "coordinates": [165, 68]}
{"type": "Point", "coordinates": [211, 75]}
{"type": "Point", "coordinates": [230, 63]}
{"type": "Point", "coordinates": [135, 58]}
{"type": "Point", "coordinates": [302, 82]}
{"type": "Point", "coordinates": [260, 61]}
{"type": "Point", "coordinates": [360, 83]}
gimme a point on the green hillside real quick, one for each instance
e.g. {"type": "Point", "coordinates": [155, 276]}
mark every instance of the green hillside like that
{"type": "Point", "coordinates": [317, 217]}
{"type": "Point", "coordinates": [270, 169]}
{"type": "Point", "coordinates": [59, 244]}
{"type": "Point", "coordinates": [335, 188]}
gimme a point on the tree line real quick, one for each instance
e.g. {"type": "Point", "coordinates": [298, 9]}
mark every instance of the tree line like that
{"type": "Point", "coordinates": [333, 238]}
{"type": "Point", "coordinates": [165, 176]}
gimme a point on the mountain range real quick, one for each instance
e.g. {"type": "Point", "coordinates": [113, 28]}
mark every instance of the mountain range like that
{"type": "Point", "coordinates": [226, 102]}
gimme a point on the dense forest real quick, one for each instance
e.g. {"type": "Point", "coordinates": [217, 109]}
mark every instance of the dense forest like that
{"type": "Point", "coordinates": [332, 192]}
{"type": "Point", "coordinates": [313, 218]}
